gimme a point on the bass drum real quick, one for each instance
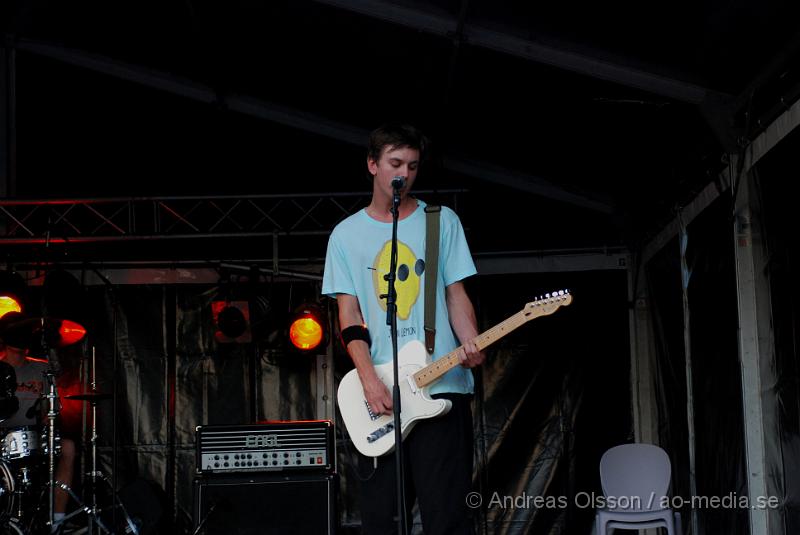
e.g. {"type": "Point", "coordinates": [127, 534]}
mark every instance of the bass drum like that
{"type": "Point", "coordinates": [7, 488]}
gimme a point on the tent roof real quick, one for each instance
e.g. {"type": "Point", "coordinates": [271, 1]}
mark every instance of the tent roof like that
{"type": "Point", "coordinates": [582, 124]}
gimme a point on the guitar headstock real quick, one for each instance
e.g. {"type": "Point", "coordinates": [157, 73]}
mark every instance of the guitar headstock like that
{"type": "Point", "coordinates": [547, 304]}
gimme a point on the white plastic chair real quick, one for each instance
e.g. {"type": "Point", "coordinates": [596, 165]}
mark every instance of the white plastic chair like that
{"type": "Point", "coordinates": [635, 480]}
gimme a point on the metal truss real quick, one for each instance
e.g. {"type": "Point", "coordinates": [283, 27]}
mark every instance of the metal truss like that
{"type": "Point", "coordinates": [83, 220]}
{"type": "Point", "coordinates": [165, 227]}
{"type": "Point", "coordinates": [174, 239]}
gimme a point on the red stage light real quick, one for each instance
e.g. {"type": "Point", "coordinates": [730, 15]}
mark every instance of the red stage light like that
{"type": "Point", "coordinates": [70, 332]}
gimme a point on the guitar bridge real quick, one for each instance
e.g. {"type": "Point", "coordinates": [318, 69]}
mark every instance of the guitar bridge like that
{"type": "Point", "coordinates": [372, 415]}
{"type": "Point", "coordinates": [378, 433]}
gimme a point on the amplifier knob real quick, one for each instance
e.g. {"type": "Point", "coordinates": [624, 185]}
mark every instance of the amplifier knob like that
{"type": "Point", "coordinates": [286, 462]}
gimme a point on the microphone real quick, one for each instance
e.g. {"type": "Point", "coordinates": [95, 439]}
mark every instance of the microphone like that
{"type": "Point", "coordinates": [398, 182]}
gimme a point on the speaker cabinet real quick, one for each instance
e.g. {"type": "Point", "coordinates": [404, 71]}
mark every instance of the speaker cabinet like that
{"type": "Point", "coordinates": [267, 504]}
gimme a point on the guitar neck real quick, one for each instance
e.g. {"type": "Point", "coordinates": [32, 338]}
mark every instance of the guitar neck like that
{"type": "Point", "coordinates": [434, 371]}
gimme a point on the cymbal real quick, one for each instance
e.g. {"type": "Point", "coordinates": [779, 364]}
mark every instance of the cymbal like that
{"type": "Point", "coordinates": [89, 396]}
{"type": "Point", "coordinates": [34, 332]}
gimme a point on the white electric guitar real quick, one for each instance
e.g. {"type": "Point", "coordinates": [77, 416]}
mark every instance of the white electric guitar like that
{"type": "Point", "coordinates": [374, 435]}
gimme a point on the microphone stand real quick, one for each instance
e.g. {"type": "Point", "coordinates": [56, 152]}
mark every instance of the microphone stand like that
{"type": "Point", "coordinates": [391, 320]}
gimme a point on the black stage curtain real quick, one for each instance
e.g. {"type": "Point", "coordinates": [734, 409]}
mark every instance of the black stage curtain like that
{"type": "Point", "coordinates": [552, 397]}
{"type": "Point", "coordinates": [776, 175]}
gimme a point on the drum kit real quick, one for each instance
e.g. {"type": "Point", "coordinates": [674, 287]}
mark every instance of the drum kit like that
{"type": "Point", "coordinates": [29, 453]}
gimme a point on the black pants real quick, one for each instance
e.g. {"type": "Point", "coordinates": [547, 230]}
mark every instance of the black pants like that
{"type": "Point", "coordinates": [437, 456]}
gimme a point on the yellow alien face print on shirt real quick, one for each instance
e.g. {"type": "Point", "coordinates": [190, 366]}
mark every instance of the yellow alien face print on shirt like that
{"type": "Point", "coordinates": [409, 270]}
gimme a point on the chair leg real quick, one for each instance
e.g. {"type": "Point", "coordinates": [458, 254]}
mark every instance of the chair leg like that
{"type": "Point", "coordinates": [676, 516]}
{"type": "Point", "coordinates": [599, 525]}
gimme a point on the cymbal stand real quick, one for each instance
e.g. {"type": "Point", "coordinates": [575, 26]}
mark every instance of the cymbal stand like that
{"type": "Point", "coordinates": [52, 413]}
{"type": "Point", "coordinates": [130, 525]}
{"type": "Point", "coordinates": [93, 510]}
{"type": "Point", "coordinates": [93, 474]}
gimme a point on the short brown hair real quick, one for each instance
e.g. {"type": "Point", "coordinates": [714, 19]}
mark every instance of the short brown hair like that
{"type": "Point", "coordinates": [395, 136]}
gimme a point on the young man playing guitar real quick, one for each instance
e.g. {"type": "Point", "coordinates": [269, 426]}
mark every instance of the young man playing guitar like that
{"type": "Point", "coordinates": [438, 454]}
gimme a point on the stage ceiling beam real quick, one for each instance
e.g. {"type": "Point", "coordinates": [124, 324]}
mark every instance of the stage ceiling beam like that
{"type": "Point", "coordinates": [301, 120]}
{"type": "Point", "coordinates": [446, 26]}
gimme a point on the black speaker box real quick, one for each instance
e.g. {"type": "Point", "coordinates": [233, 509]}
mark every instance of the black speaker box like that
{"type": "Point", "coordinates": [265, 505]}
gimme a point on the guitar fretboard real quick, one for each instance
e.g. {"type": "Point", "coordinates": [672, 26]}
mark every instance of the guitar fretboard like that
{"type": "Point", "coordinates": [433, 371]}
{"type": "Point", "coordinates": [541, 307]}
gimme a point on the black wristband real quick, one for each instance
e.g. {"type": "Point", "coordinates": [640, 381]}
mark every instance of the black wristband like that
{"type": "Point", "coordinates": [355, 332]}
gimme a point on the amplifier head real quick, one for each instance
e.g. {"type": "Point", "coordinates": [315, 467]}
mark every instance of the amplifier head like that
{"type": "Point", "coordinates": [266, 447]}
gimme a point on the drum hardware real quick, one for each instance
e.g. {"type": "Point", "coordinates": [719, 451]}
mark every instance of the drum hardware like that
{"type": "Point", "coordinates": [93, 396]}
{"type": "Point", "coordinates": [22, 446]}
{"type": "Point", "coordinates": [23, 486]}
{"type": "Point", "coordinates": [45, 334]}
{"type": "Point", "coordinates": [91, 512]}
{"type": "Point", "coordinates": [52, 413]}
{"type": "Point", "coordinates": [7, 488]}
{"type": "Point", "coordinates": [51, 448]}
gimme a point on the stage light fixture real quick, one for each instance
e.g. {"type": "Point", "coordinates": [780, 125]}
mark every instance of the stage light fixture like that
{"type": "Point", "coordinates": [9, 303]}
{"type": "Point", "coordinates": [12, 288]}
{"type": "Point", "coordinates": [231, 321]}
{"type": "Point", "coordinates": [308, 328]}
{"type": "Point", "coordinates": [70, 332]}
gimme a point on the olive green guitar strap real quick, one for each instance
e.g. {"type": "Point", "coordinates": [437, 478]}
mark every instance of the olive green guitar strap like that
{"type": "Point", "coordinates": [431, 272]}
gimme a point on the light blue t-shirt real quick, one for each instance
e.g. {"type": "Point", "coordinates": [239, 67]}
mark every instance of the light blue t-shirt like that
{"type": "Point", "coordinates": [359, 256]}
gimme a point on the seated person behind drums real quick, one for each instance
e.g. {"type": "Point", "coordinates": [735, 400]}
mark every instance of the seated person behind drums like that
{"type": "Point", "coordinates": [30, 384]}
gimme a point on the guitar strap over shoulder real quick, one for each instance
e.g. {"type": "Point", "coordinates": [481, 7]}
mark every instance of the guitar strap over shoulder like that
{"type": "Point", "coordinates": [431, 272]}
